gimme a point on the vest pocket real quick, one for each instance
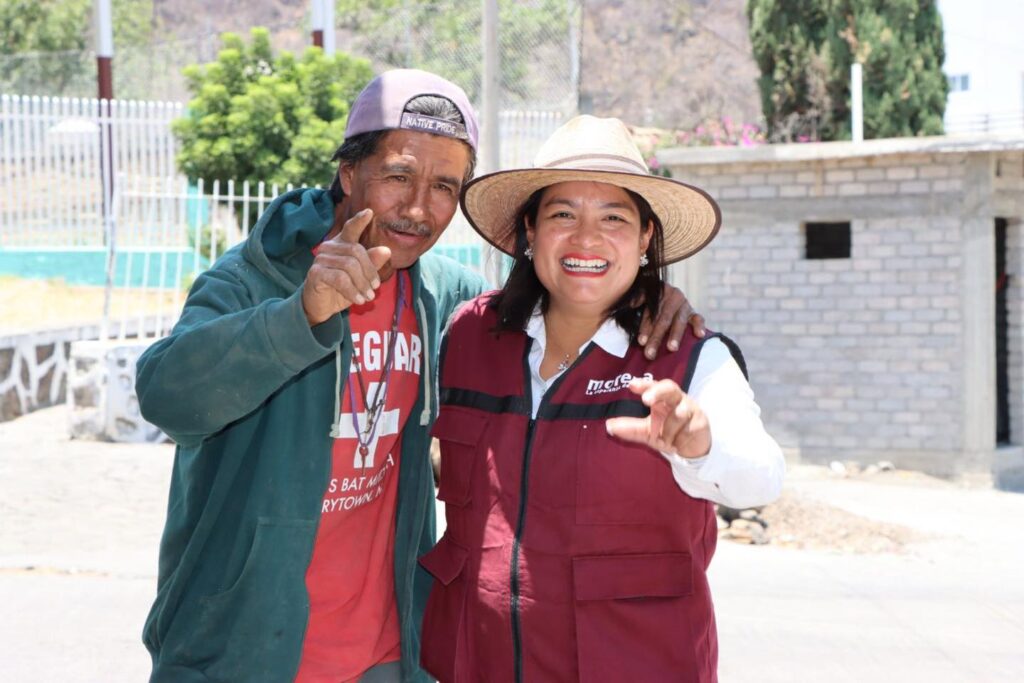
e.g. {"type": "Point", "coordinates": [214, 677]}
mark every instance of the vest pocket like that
{"type": "Point", "coordinates": [442, 620]}
{"type": "Point", "coordinates": [638, 604]}
{"type": "Point", "coordinates": [459, 432]}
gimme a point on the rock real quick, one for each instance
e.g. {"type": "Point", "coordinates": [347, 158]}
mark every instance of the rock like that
{"type": "Point", "coordinates": [886, 466]}
{"type": "Point", "coordinates": [837, 468]}
{"type": "Point", "coordinates": [872, 470]}
{"type": "Point", "coordinates": [746, 531]}
{"type": "Point", "coordinates": [728, 513]}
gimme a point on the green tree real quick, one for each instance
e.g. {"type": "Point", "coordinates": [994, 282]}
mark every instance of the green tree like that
{"type": "Point", "coordinates": [46, 45]}
{"type": "Point", "coordinates": [804, 49]}
{"type": "Point", "coordinates": [443, 36]}
{"type": "Point", "coordinates": [257, 117]}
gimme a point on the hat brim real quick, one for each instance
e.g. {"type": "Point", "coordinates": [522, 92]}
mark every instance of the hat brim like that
{"type": "Point", "coordinates": [690, 218]}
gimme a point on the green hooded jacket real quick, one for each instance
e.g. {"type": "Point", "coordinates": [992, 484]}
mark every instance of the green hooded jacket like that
{"type": "Point", "coordinates": [247, 389]}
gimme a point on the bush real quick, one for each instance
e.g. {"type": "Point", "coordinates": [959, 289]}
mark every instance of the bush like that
{"type": "Point", "coordinates": [258, 117]}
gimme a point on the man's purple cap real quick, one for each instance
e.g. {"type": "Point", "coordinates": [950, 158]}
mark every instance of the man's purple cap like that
{"type": "Point", "coordinates": [381, 106]}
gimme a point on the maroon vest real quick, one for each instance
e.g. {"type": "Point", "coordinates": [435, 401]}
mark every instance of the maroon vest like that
{"type": "Point", "coordinates": [568, 555]}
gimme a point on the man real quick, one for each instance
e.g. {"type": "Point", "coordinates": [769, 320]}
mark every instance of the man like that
{"type": "Point", "coordinates": [299, 386]}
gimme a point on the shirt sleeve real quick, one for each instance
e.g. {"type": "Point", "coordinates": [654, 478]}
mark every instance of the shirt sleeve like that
{"type": "Point", "coordinates": [745, 466]}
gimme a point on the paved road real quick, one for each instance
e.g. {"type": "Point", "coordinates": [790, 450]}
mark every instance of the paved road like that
{"type": "Point", "coordinates": [87, 517]}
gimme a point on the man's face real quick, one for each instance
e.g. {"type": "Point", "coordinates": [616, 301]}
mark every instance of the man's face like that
{"type": "Point", "coordinates": [412, 184]}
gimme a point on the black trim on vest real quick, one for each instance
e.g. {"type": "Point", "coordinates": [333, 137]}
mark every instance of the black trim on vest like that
{"type": "Point", "coordinates": [734, 349]}
{"type": "Point", "coordinates": [467, 398]}
{"type": "Point", "coordinates": [593, 411]}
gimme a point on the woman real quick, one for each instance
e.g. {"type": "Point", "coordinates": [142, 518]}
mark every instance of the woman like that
{"type": "Point", "coordinates": [577, 475]}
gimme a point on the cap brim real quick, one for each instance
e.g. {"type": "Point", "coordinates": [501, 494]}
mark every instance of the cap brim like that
{"type": "Point", "coordinates": [690, 218]}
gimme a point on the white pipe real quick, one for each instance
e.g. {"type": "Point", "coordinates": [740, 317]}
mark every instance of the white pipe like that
{"type": "Point", "coordinates": [316, 15]}
{"type": "Point", "coordinates": [490, 91]}
{"type": "Point", "coordinates": [328, 26]}
{"type": "Point", "coordinates": [857, 101]}
{"type": "Point", "coordinates": [104, 29]}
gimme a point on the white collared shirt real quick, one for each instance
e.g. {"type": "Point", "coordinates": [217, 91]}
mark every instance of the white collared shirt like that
{"type": "Point", "coordinates": [744, 467]}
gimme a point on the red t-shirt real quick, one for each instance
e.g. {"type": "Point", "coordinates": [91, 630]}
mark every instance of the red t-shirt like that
{"type": "Point", "coordinates": [353, 616]}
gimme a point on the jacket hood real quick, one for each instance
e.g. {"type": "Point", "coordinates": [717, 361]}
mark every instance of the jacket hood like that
{"type": "Point", "coordinates": [280, 245]}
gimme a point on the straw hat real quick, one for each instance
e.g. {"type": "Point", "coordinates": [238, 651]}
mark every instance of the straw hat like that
{"type": "Point", "coordinates": [601, 150]}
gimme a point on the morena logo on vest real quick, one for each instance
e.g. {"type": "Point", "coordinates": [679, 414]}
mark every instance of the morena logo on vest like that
{"type": "Point", "coordinates": [607, 386]}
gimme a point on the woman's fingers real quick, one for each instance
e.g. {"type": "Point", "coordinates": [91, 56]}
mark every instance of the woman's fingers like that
{"type": "Point", "coordinates": [658, 430]}
{"type": "Point", "coordinates": [661, 391]}
{"type": "Point", "coordinates": [635, 429]}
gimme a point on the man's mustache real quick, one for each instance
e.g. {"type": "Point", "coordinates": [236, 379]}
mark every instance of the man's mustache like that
{"type": "Point", "coordinates": [407, 226]}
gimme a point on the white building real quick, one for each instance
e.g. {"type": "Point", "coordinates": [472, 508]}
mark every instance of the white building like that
{"type": "Point", "coordinates": [984, 64]}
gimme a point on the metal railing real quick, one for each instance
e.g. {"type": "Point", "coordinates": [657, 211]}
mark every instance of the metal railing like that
{"type": "Point", "coordinates": [156, 231]}
{"type": "Point", "coordinates": [999, 122]}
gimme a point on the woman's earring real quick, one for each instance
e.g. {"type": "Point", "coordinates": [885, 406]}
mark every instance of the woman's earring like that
{"type": "Point", "coordinates": [643, 260]}
{"type": "Point", "coordinates": [528, 253]}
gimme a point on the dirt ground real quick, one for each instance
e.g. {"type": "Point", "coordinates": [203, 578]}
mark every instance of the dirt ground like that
{"type": "Point", "coordinates": [27, 304]}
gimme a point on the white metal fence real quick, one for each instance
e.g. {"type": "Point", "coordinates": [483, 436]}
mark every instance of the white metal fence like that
{"type": "Point", "coordinates": [998, 122]}
{"type": "Point", "coordinates": [53, 152]}
{"type": "Point", "coordinates": [162, 230]}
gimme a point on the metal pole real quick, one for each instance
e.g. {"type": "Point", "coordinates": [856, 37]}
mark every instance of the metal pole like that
{"type": "Point", "coordinates": [104, 49]}
{"type": "Point", "coordinates": [328, 26]}
{"type": "Point", "coordinates": [490, 90]}
{"type": "Point", "coordinates": [104, 73]}
{"type": "Point", "coordinates": [574, 56]}
{"type": "Point", "coordinates": [490, 141]}
{"type": "Point", "coordinates": [857, 101]}
{"type": "Point", "coordinates": [316, 21]}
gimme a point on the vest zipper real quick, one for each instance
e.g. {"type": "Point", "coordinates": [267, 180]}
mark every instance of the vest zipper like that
{"type": "Point", "coordinates": [524, 487]}
{"type": "Point", "coordinates": [517, 646]}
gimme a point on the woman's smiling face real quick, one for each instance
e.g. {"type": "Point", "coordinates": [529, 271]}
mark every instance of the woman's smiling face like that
{"type": "Point", "coordinates": [587, 242]}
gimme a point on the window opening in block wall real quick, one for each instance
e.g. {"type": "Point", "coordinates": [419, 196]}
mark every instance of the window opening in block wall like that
{"type": "Point", "coordinates": [827, 240]}
{"type": "Point", "coordinates": [959, 82]}
{"type": "Point", "coordinates": [1002, 338]}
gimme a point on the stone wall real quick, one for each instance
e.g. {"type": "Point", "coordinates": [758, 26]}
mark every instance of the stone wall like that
{"type": "Point", "coordinates": [33, 371]}
{"type": "Point", "coordinates": [103, 404]}
{"type": "Point", "coordinates": [876, 356]}
{"type": "Point", "coordinates": [34, 365]}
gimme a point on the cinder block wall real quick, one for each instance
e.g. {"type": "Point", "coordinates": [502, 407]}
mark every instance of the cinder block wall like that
{"type": "Point", "coordinates": [860, 358]}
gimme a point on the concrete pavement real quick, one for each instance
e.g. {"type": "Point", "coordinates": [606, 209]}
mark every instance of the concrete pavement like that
{"type": "Point", "coordinates": [87, 517]}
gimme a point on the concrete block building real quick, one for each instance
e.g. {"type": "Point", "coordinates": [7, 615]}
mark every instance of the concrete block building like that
{"type": "Point", "coordinates": [877, 291]}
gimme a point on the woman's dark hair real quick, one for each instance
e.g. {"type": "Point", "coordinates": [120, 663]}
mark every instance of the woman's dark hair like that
{"type": "Point", "coordinates": [364, 145]}
{"type": "Point", "coordinates": [515, 302]}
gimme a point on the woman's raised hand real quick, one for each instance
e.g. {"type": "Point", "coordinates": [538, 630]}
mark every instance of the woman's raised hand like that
{"type": "Point", "coordinates": [676, 423]}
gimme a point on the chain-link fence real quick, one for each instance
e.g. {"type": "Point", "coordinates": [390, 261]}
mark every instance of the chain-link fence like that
{"type": "Point", "coordinates": [147, 72]}
{"type": "Point", "coordinates": [539, 43]}
{"type": "Point", "coordinates": [53, 141]}
{"type": "Point", "coordinates": [539, 51]}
